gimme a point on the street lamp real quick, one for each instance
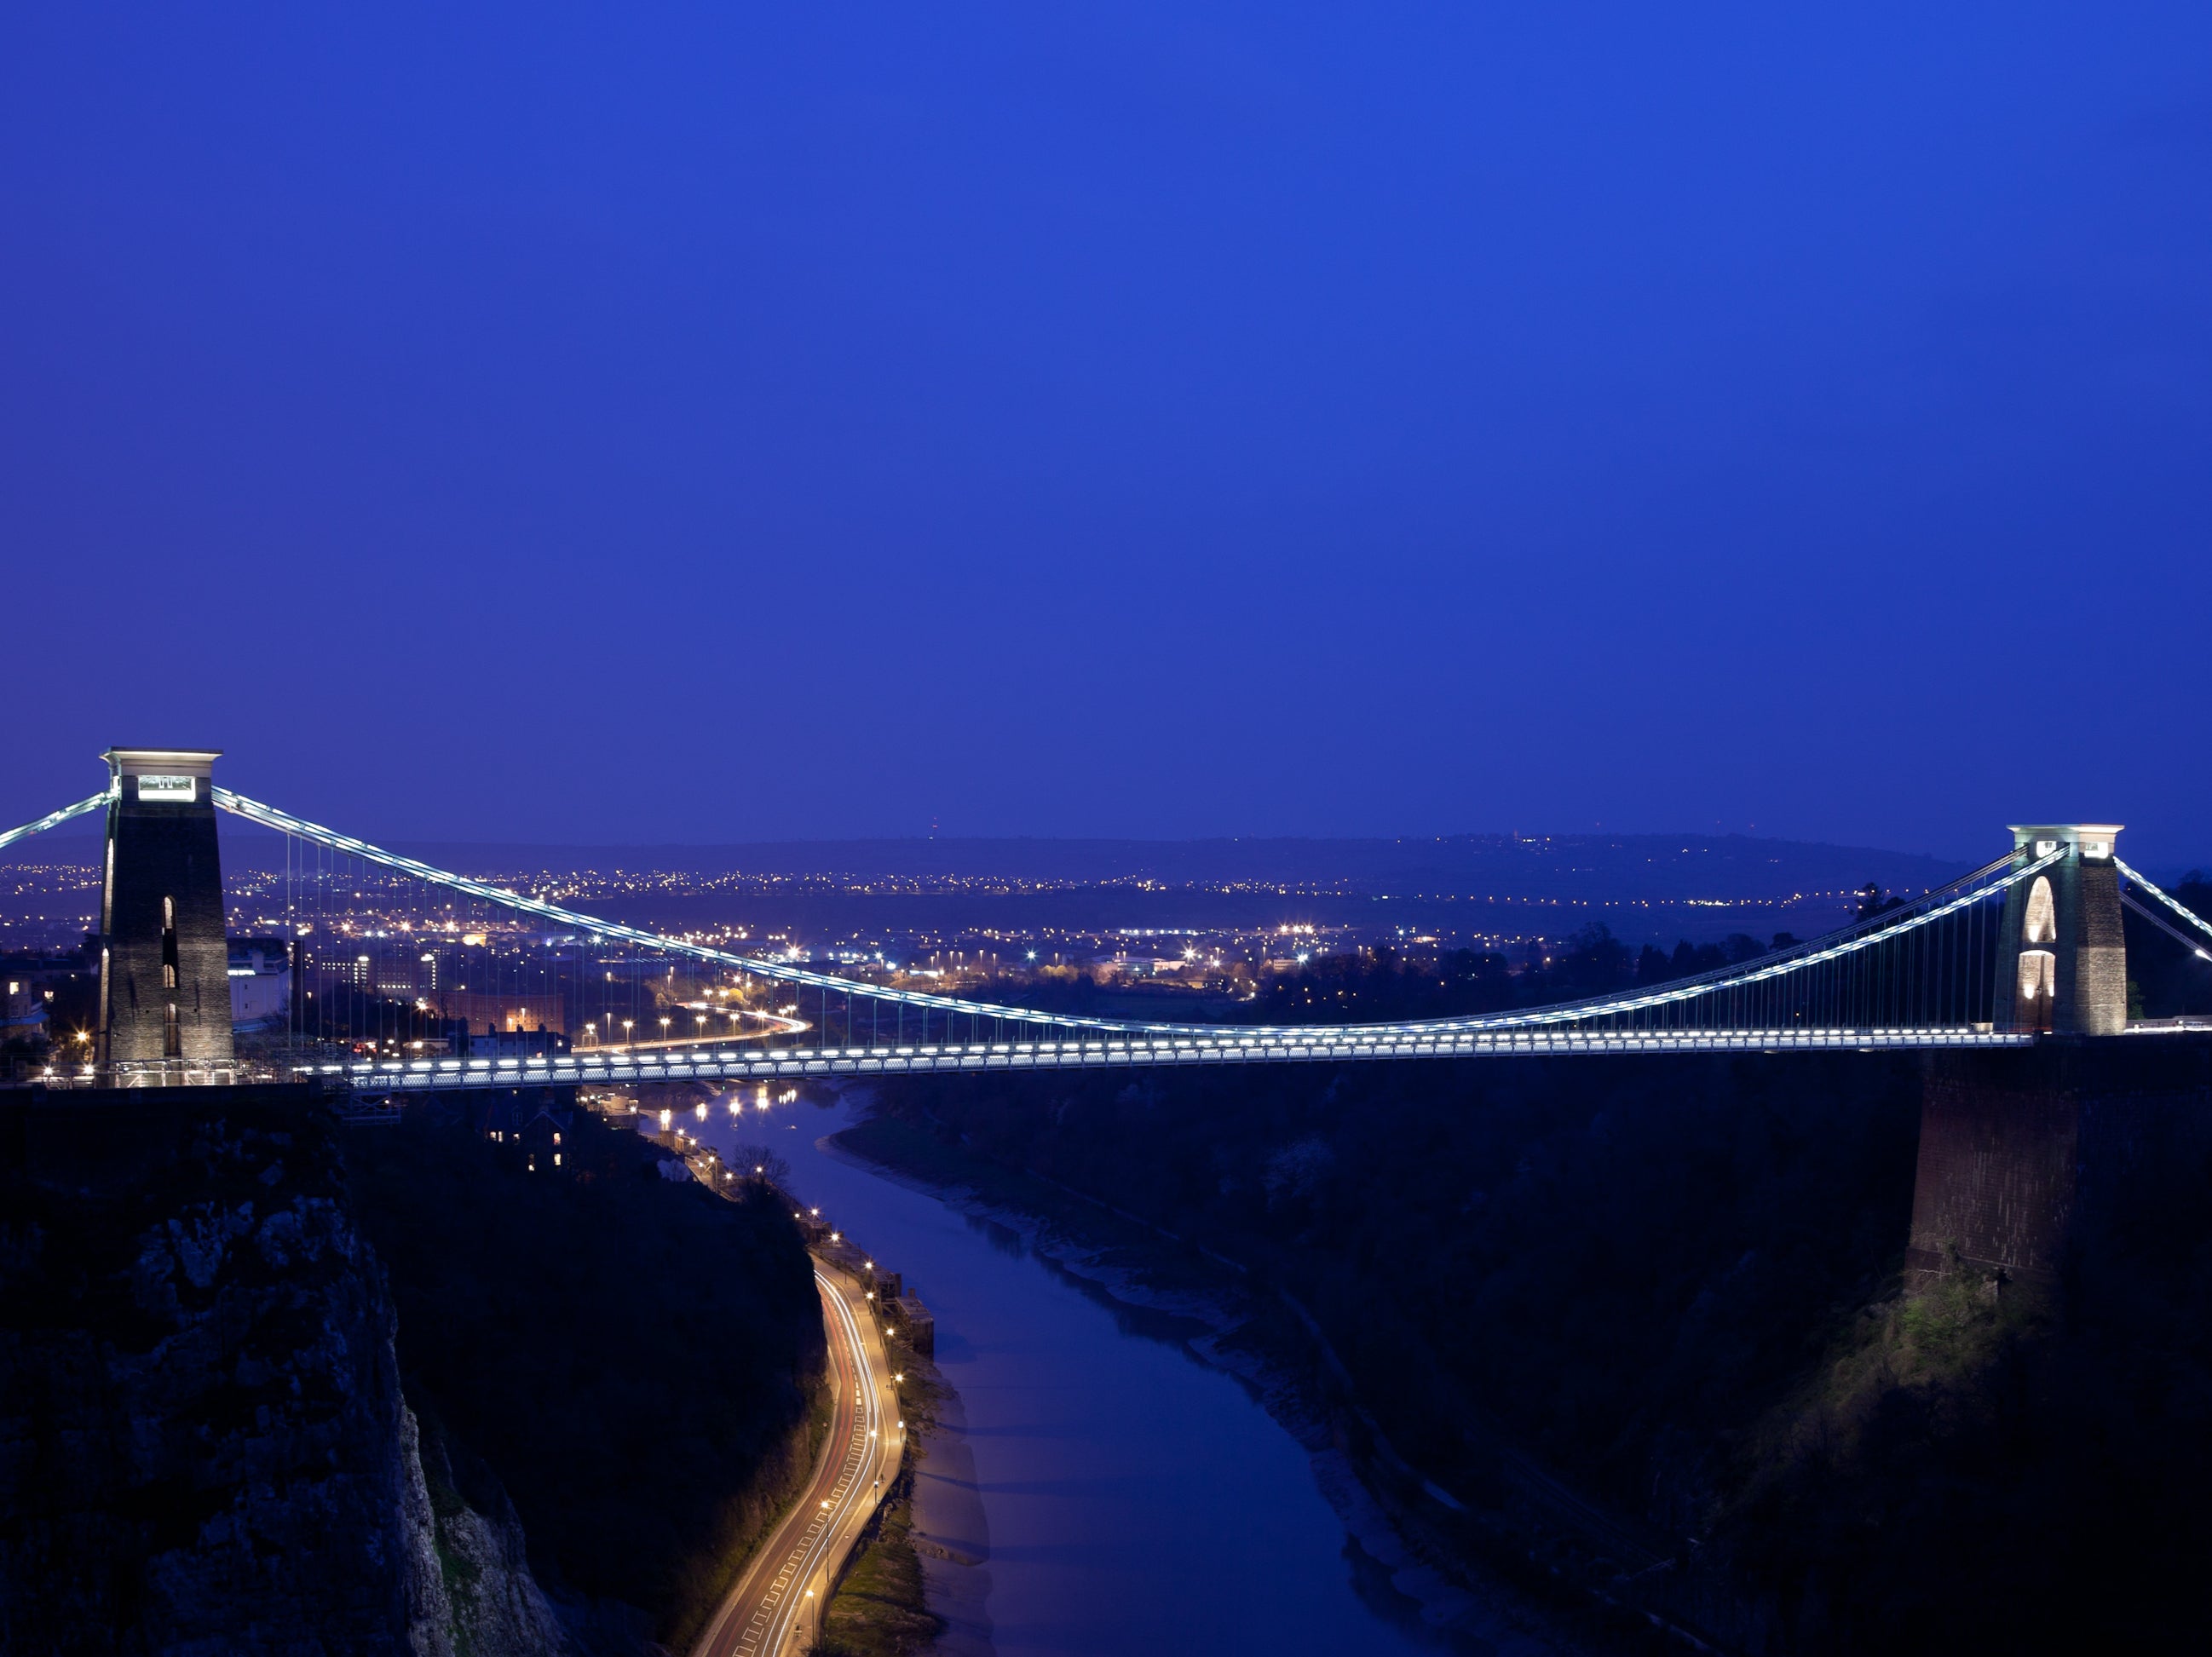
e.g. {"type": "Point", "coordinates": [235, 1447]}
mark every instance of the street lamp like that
{"type": "Point", "coordinates": [627, 1023]}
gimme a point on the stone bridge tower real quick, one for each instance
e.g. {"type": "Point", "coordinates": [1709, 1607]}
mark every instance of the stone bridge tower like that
{"type": "Point", "coordinates": [2062, 959]}
{"type": "Point", "coordinates": [164, 964]}
{"type": "Point", "coordinates": [2012, 1144]}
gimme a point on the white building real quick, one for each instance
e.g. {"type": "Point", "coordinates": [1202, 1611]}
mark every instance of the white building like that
{"type": "Point", "coordinates": [260, 982]}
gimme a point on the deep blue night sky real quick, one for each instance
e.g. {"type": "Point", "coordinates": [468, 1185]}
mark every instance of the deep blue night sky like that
{"type": "Point", "coordinates": [559, 424]}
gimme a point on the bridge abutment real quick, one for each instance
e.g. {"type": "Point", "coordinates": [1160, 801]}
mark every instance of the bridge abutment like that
{"type": "Point", "coordinates": [2017, 1145]}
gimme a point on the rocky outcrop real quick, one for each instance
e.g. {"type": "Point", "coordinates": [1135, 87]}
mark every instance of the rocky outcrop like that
{"type": "Point", "coordinates": [470, 1593]}
{"type": "Point", "coordinates": [204, 1447]}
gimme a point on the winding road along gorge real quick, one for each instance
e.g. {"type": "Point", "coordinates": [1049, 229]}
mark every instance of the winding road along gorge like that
{"type": "Point", "coordinates": [776, 1606]}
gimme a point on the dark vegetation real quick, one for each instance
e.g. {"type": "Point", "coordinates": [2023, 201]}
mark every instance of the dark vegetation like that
{"type": "Point", "coordinates": [1526, 1240]}
{"type": "Point", "coordinates": [632, 1362]}
{"type": "Point", "coordinates": [880, 1608]}
{"type": "Point", "coordinates": [1992, 1467]}
{"type": "Point", "coordinates": [1676, 1281]}
{"type": "Point", "coordinates": [881, 1603]}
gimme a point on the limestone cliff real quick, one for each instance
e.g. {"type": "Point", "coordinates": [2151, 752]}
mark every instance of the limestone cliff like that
{"type": "Point", "coordinates": [204, 1447]}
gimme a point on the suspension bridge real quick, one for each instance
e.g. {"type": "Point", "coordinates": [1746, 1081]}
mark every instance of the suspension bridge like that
{"type": "Point", "coordinates": [2030, 944]}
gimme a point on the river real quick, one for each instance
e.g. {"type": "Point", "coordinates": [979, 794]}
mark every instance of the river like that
{"type": "Point", "coordinates": [1135, 1499]}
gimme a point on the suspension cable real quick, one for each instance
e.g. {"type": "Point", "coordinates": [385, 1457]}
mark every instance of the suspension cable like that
{"type": "Point", "coordinates": [2174, 904]}
{"type": "Point", "coordinates": [2166, 926]}
{"type": "Point", "coordinates": [55, 819]}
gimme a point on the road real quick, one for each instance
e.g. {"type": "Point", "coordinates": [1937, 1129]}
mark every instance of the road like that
{"type": "Point", "coordinates": [774, 1609]}
{"type": "Point", "coordinates": [774, 1025]}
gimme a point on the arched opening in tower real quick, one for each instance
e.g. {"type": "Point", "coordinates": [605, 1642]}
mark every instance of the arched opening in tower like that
{"type": "Point", "coordinates": [2039, 978]}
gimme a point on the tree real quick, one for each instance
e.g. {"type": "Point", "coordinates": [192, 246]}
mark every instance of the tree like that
{"type": "Point", "coordinates": [748, 1159]}
{"type": "Point", "coordinates": [1873, 901]}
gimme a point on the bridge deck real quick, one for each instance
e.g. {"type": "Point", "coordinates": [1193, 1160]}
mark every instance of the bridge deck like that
{"type": "Point", "coordinates": [615, 1068]}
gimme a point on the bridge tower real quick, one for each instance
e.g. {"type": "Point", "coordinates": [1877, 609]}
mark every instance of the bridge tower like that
{"type": "Point", "coordinates": [164, 964]}
{"type": "Point", "coordinates": [2062, 958]}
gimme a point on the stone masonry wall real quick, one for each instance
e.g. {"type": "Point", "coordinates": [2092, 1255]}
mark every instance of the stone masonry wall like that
{"type": "Point", "coordinates": [2012, 1143]}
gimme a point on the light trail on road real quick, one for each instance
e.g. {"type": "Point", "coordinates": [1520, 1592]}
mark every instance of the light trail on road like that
{"type": "Point", "coordinates": [782, 1592]}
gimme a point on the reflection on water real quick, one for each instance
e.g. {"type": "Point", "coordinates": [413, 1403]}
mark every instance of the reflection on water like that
{"type": "Point", "coordinates": [1137, 1500]}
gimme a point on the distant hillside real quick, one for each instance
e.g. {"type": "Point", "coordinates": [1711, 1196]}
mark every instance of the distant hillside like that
{"type": "Point", "coordinates": [1580, 866]}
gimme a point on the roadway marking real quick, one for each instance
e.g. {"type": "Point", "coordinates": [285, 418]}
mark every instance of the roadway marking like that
{"type": "Point", "coordinates": [776, 1613]}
